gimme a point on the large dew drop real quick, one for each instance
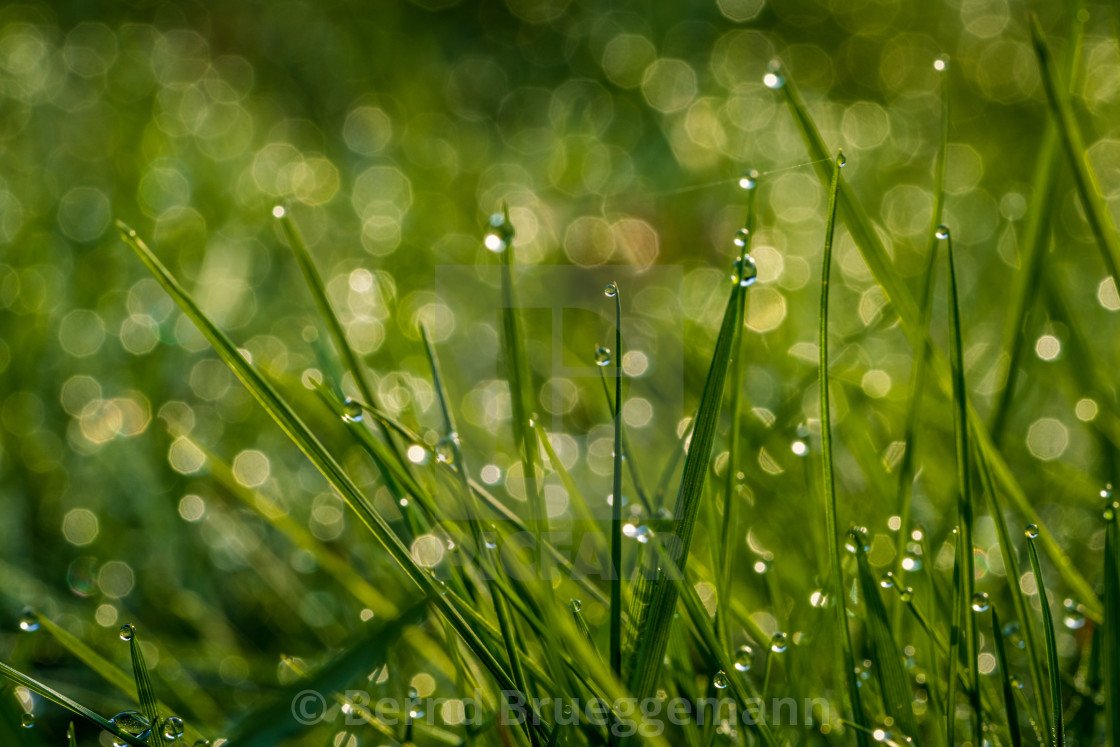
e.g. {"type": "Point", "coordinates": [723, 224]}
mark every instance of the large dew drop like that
{"type": "Point", "coordinates": [127, 631]}
{"type": "Point", "coordinates": [602, 356]}
{"type": "Point", "coordinates": [173, 728]}
{"type": "Point", "coordinates": [1031, 531]}
{"type": "Point", "coordinates": [942, 232]}
{"type": "Point", "coordinates": [29, 621]}
{"type": "Point", "coordinates": [980, 602]}
{"type": "Point", "coordinates": [351, 411]}
{"type": "Point", "coordinates": [779, 642]}
{"type": "Point", "coordinates": [611, 290]}
{"type": "Point", "coordinates": [748, 271]}
{"type": "Point", "coordinates": [132, 723]}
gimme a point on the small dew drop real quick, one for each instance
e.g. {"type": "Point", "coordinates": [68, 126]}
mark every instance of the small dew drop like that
{"type": "Point", "coordinates": [941, 64]}
{"type": "Point", "coordinates": [980, 602]}
{"type": "Point", "coordinates": [720, 680]}
{"type": "Point", "coordinates": [494, 243]}
{"type": "Point", "coordinates": [173, 728]}
{"type": "Point", "coordinates": [1016, 681]}
{"type": "Point", "coordinates": [773, 81]}
{"type": "Point", "coordinates": [942, 232]}
{"type": "Point", "coordinates": [741, 237]}
{"type": "Point", "coordinates": [1073, 618]}
{"type": "Point", "coordinates": [575, 605]}
{"type": "Point", "coordinates": [29, 622]}
{"type": "Point", "coordinates": [841, 159]}
{"type": "Point", "coordinates": [278, 211]}
{"type": "Point", "coordinates": [413, 693]}
{"type": "Point", "coordinates": [351, 411]}
{"type": "Point", "coordinates": [905, 594]}
{"type": "Point", "coordinates": [799, 448]}
{"type": "Point", "coordinates": [887, 582]}
{"type": "Point", "coordinates": [1031, 531]}
{"type": "Point", "coordinates": [446, 448]}
{"type": "Point", "coordinates": [818, 598]}
{"type": "Point", "coordinates": [602, 356]}
{"type": "Point", "coordinates": [417, 454]}
{"type": "Point", "coordinates": [1106, 491]}
{"type": "Point", "coordinates": [643, 534]}
{"type": "Point", "coordinates": [127, 631]}
{"type": "Point", "coordinates": [749, 180]}
{"type": "Point", "coordinates": [611, 290]}
{"type": "Point", "coordinates": [779, 642]}
{"type": "Point", "coordinates": [748, 271]}
{"type": "Point", "coordinates": [28, 720]}
{"type": "Point", "coordinates": [1111, 511]}
{"type": "Point", "coordinates": [743, 658]}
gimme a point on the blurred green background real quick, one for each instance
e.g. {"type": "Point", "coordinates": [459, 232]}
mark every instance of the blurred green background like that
{"type": "Point", "coordinates": [616, 132]}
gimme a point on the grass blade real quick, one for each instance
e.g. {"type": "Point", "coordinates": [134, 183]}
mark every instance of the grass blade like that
{"type": "Point", "coordinates": [964, 484]}
{"type": "Point", "coordinates": [1005, 678]}
{"type": "Point", "coordinates": [954, 649]}
{"type": "Point", "coordinates": [1057, 728]}
{"type": "Point", "coordinates": [897, 692]}
{"type": "Point", "coordinates": [1112, 619]}
{"type": "Point", "coordinates": [1096, 212]}
{"type": "Point", "coordinates": [653, 603]}
{"type": "Point", "coordinates": [616, 493]}
{"type": "Point", "coordinates": [144, 689]}
{"type": "Point", "coordinates": [837, 580]}
{"type": "Point", "coordinates": [71, 737]}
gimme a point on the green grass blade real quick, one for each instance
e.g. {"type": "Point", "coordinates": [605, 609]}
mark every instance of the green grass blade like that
{"type": "Point", "coordinates": [1005, 678]}
{"type": "Point", "coordinates": [627, 451]}
{"type": "Point", "coordinates": [862, 231]}
{"type": "Point", "coordinates": [1112, 619]}
{"type": "Point", "coordinates": [895, 686]}
{"type": "Point", "coordinates": [520, 389]}
{"type": "Point", "coordinates": [954, 649]}
{"type": "Point", "coordinates": [1057, 728]}
{"type": "Point", "coordinates": [71, 737]}
{"type": "Point", "coordinates": [727, 545]}
{"type": "Point", "coordinates": [48, 693]}
{"type": "Point", "coordinates": [144, 689]}
{"type": "Point", "coordinates": [1096, 211]}
{"type": "Point", "coordinates": [837, 576]}
{"type": "Point", "coordinates": [616, 500]}
{"type": "Point", "coordinates": [964, 485]}
{"type": "Point", "coordinates": [654, 601]}
{"type": "Point", "coordinates": [273, 722]}
{"type": "Point", "coordinates": [297, 431]}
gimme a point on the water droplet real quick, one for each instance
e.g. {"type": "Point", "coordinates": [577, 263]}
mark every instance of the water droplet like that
{"type": "Point", "coordinates": [131, 723]}
{"type": "Point", "coordinates": [1016, 681]}
{"type": "Point", "coordinates": [643, 534]}
{"type": "Point", "coordinates": [906, 594]}
{"type": "Point", "coordinates": [749, 180]}
{"type": "Point", "coordinates": [887, 582]}
{"type": "Point", "coordinates": [1031, 531]}
{"type": "Point", "coordinates": [172, 728]}
{"type": "Point", "coordinates": [748, 270]}
{"type": "Point", "coordinates": [494, 243]}
{"type": "Point", "coordinates": [912, 562]}
{"type": "Point", "coordinates": [941, 63]}
{"type": "Point", "coordinates": [498, 237]}
{"type": "Point", "coordinates": [490, 544]}
{"type": "Point", "coordinates": [741, 237]}
{"type": "Point", "coordinates": [779, 642]}
{"type": "Point", "coordinates": [761, 567]}
{"type": "Point", "coordinates": [857, 540]}
{"type": "Point", "coordinates": [278, 211]}
{"type": "Point", "coordinates": [1106, 491]}
{"type": "Point", "coordinates": [611, 290]}
{"type": "Point", "coordinates": [29, 621]}
{"type": "Point", "coordinates": [743, 658]}
{"type": "Point", "coordinates": [413, 693]}
{"type": "Point", "coordinates": [942, 232]}
{"type": "Point", "coordinates": [446, 448]}
{"type": "Point", "coordinates": [881, 735]}
{"type": "Point", "coordinates": [575, 605]}
{"type": "Point", "coordinates": [819, 598]}
{"type": "Point", "coordinates": [416, 711]}
{"type": "Point", "coordinates": [841, 159]}
{"type": "Point", "coordinates": [28, 720]}
{"type": "Point", "coordinates": [127, 631]}
{"type": "Point", "coordinates": [799, 448]}
{"type": "Point", "coordinates": [1111, 511]}
{"type": "Point", "coordinates": [720, 680]}
{"type": "Point", "coordinates": [602, 356]}
{"type": "Point", "coordinates": [351, 411]}
{"type": "Point", "coordinates": [773, 79]}
{"type": "Point", "coordinates": [980, 602]}
{"type": "Point", "coordinates": [1073, 618]}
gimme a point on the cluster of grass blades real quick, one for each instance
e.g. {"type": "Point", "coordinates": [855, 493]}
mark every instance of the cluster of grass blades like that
{"type": "Point", "coordinates": [512, 638]}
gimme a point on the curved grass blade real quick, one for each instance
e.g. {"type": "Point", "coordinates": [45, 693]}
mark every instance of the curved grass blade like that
{"type": "Point", "coordinates": [837, 580]}
{"type": "Point", "coordinates": [272, 723]}
{"type": "Point", "coordinates": [1057, 728]}
{"type": "Point", "coordinates": [297, 431]}
{"type": "Point", "coordinates": [653, 603]}
{"type": "Point", "coordinates": [964, 485]}
{"type": "Point", "coordinates": [73, 706]}
{"type": "Point", "coordinates": [862, 231]}
{"type": "Point", "coordinates": [616, 494]}
{"type": "Point", "coordinates": [1005, 678]}
{"type": "Point", "coordinates": [897, 693]}
{"type": "Point", "coordinates": [1097, 214]}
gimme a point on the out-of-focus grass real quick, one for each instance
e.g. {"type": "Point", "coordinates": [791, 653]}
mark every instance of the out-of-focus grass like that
{"type": "Point", "coordinates": [616, 136]}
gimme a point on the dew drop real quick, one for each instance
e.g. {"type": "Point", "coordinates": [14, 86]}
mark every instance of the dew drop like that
{"type": "Point", "coordinates": [602, 356]}
{"type": "Point", "coordinates": [575, 605]}
{"type": "Point", "coordinates": [611, 290]}
{"type": "Point", "coordinates": [643, 534]}
{"type": "Point", "coordinates": [741, 237]}
{"type": "Point", "coordinates": [773, 81]}
{"type": "Point", "coordinates": [819, 598]}
{"type": "Point", "coordinates": [172, 728]}
{"type": "Point", "coordinates": [980, 602]}
{"type": "Point", "coordinates": [779, 642]}
{"type": "Point", "coordinates": [446, 448]}
{"type": "Point", "coordinates": [1073, 617]}
{"type": "Point", "coordinates": [887, 581]}
{"type": "Point", "coordinates": [413, 693]}
{"type": "Point", "coordinates": [799, 448]}
{"type": "Point", "coordinates": [1106, 491]}
{"type": "Point", "coordinates": [29, 621]}
{"type": "Point", "coordinates": [131, 723]}
{"type": "Point", "coordinates": [720, 680]}
{"type": "Point", "coordinates": [127, 631]}
{"type": "Point", "coordinates": [941, 64]}
{"type": "Point", "coordinates": [1111, 511]}
{"type": "Point", "coordinates": [841, 159]}
{"type": "Point", "coordinates": [27, 720]}
{"type": "Point", "coordinates": [942, 232]}
{"type": "Point", "coordinates": [749, 180]}
{"type": "Point", "coordinates": [417, 454]}
{"type": "Point", "coordinates": [1016, 681]}
{"type": "Point", "coordinates": [494, 243]}
{"type": "Point", "coordinates": [857, 540]}
{"type": "Point", "coordinates": [278, 211]}
{"type": "Point", "coordinates": [351, 411]}
{"type": "Point", "coordinates": [1031, 531]}
{"type": "Point", "coordinates": [743, 658]}
{"type": "Point", "coordinates": [748, 271]}
{"type": "Point", "coordinates": [906, 594]}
